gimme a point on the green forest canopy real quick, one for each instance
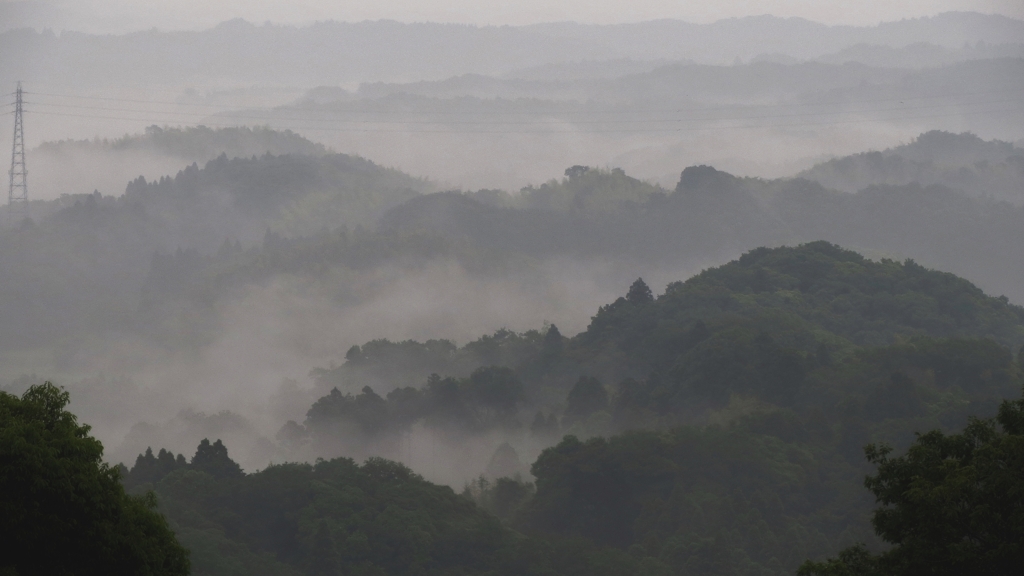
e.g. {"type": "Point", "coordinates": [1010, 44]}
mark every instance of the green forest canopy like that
{"type": "Point", "coordinates": [63, 510]}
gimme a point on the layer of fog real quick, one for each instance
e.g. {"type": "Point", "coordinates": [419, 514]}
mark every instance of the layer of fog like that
{"type": "Point", "coordinates": [498, 142]}
{"type": "Point", "coordinates": [88, 170]}
{"type": "Point", "coordinates": [255, 377]}
{"type": "Point", "coordinates": [510, 162]}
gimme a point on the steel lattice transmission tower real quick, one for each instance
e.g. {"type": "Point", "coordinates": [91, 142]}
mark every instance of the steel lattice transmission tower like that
{"type": "Point", "coordinates": [17, 199]}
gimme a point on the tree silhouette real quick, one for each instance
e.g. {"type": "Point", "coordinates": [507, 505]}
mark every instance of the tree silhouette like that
{"type": "Point", "coordinates": [951, 505]}
{"type": "Point", "coordinates": [587, 396]}
{"type": "Point", "coordinates": [639, 293]}
{"type": "Point", "coordinates": [62, 510]}
{"type": "Point", "coordinates": [213, 459]}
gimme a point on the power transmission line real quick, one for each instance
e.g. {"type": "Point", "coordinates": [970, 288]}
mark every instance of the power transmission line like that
{"type": "Point", "coordinates": [320, 127]}
{"type": "Point", "coordinates": [675, 109]}
{"type": "Point", "coordinates": [569, 122]}
{"type": "Point", "coordinates": [320, 118]}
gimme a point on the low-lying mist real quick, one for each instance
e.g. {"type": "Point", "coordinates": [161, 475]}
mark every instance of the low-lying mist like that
{"type": "Point", "coordinates": [254, 377]}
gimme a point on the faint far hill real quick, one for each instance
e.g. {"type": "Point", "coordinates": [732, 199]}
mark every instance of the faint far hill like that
{"type": "Point", "coordinates": [990, 168]}
{"type": "Point", "coordinates": [98, 249]}
{"type": "Point", "coordinates": [241, 53]}
{"type": "Point", "coordinates": [921, 54]}
{"type": "Point", "coordinates": [82, 166]}
{"type": "Point", "coordinates": [194, 143]}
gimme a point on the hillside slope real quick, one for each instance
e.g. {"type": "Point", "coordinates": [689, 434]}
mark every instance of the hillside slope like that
{"type": "Point", "coordinates": [992, 169]}
{"type": "Point", "coordinates": [82, 263]}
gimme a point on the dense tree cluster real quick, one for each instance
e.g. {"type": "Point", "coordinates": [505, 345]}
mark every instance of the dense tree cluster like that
{"type": "Point", "coordinates": [780, 366]}
{"type": "Point", "coordinates": [951, 505]}
{"type": "Point", "coordinates": [803, 328]}
{"type": "Point", "coordinates": [339, 517]}
{"type": "Point", "coordinates": [81, 266]}
{"type": "Point", "coordinates": [963, 161]}
{"type": "Point", "coordinates": [489, 398]}
{"type": "Point", "coordinates": [195, 142]}
{"type": "Point", "coordinates": [62, 510]}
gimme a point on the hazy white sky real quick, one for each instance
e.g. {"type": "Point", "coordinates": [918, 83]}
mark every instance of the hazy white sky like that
{"type": "Point", "coordinates": [126, 15]}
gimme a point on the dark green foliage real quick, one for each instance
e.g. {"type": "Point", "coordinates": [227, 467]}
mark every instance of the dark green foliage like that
{"type": "Point", "coordinates": [809, 327]}
{"type": "Point", "coordinates": [337, 517]}
{"type": "Point", "coordinates": [367, 411]}
{"type": "Point", "coordinates": [544, 427]}
{"type": "Point", "coordinates": [963, 161]}
{"type": "Point", "coordinates": [704, 502]}
{"type": "Point", "coordinates": [586, 397]}
{"type": "Point", "coordinates": [843, 292]}
{"type": "Point", "coordinates": [81, 267]}
{"type": "Point", "coordinates": [586, 189]}
{"type": "Point", "coordinates": [193, 143]}
{"type": "Point", "coordinates": [639, 293]}
{"type": "Point", "coordinates": [553, 344]}
{"type": "Point", "coordinates": [390, 361]}
{"type": "Point", "coordinates": [712, 216]}
{"type": "Point", "coordinates": [149, 469]}
{"type": "Point", "coordinates": [213, 460]}
{"type": "Point", "coordinates": [796, 296]}
{"type": "Point", "coordinates": [804, 356]}
{"type": "Point", "coordinates": [489, 398]}
{"type": "Point", "coordinates": [63, 510]}
{"type": "Point", "coordinates": [951, 505]}
{"type": "Point", "coordinates": [87, 265]}
{"type": "Point", "coordinates": [853, 561]}
{"type": "Point", "coordinates": [502, 497]}
{"type": "Point", "coordinates": [789, 360]}
{"type": "Point", "coordinates": [496, 389]}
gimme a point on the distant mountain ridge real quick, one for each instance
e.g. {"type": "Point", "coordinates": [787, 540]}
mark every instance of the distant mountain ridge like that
{"type": "Point", "coordinates": [198, 143]}
{"type": "Point", "coordinates": [336, 52]}
{"type": "Point", "coordinates": [82, 166]}
{"type": "Point", "coordinates": [90, 246]}
{"type": "Point", "coordinates": [920, 54]}
{"type": "Point", "coordinates": [964, 161]}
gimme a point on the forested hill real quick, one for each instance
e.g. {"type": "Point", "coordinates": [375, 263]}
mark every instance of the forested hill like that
{"type": "Point", "coordinates": [82, 166]}
{"type": "Point", "coordinates": [716, 428]}
{"type": "Point", "coordinates": [864, 301]}
{"type": "Point", "coordinates": [815, 301]}
{"type": "Point", "coordinates": [712, 216]}
{"type": "Point", "coordinates": [605, 216]}
{"type": "Point", "coordinates": [224, 210]}
{"type": "Point", "coordinates": [193, 143]}
{"type": "Point", "coordinates": [89, 248]}
{"type": "Point", "coordinates": [963, 161]}
{"type": "Point", "coordinates": [240, 198]}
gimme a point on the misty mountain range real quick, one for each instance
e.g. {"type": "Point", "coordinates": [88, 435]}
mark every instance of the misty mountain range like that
{"type": "Point", "coordinates": [990, 169]}
{"type": "Point", "coordinates": [343, 53]}
{"type": "Point", "coordinates": [948, 201]}
{"type": "Point", "coordinates": [559, 299]}
{"type": "Point", "coordinates": [525, 102]}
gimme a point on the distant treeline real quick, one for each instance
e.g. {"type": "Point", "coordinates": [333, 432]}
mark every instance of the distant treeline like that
{"type": "Point", "coordinates": [170, 249]}
{"type": "Point", "coordinates": [81, 266]}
